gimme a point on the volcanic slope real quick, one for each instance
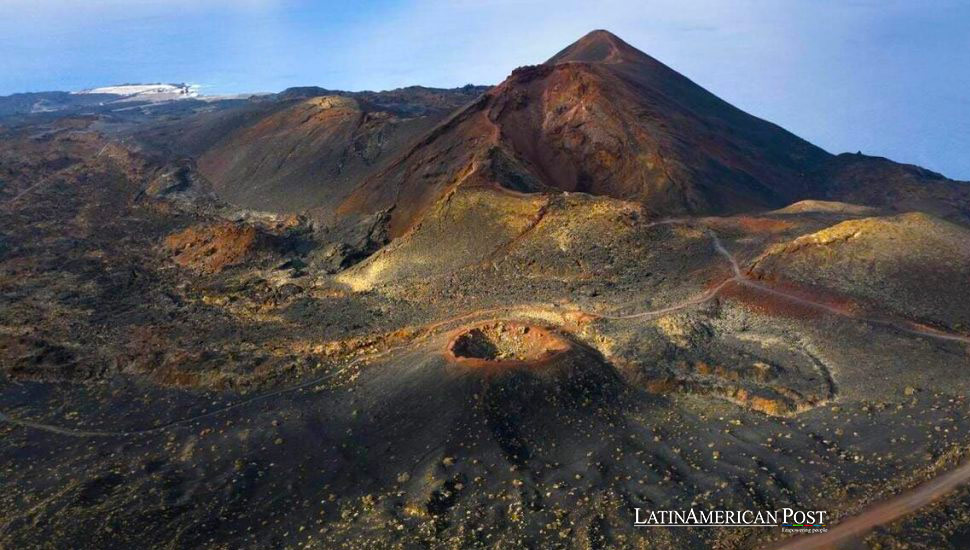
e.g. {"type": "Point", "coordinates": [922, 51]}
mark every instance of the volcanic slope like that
{"type": "Point", "coordinates": [890, 261]}
{"type": "Point", "coordinates": [900, 188]}
{"type": "Point", "coordinates": [307, 154]}
{"type": "Point", "coordinates": [604, 118]}
{"type": "Point", "coordinates": [599, 117]}
{"type": "Point", "coordinates": [309, 147]}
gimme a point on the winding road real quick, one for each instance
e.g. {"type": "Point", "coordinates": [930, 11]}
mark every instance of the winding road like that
{"type": "Point", "coordinates": [737, 277]}
{"type": "Point", "coordinates": [740, 278]}
{"type": "Point", "coordinates": [879, 514]}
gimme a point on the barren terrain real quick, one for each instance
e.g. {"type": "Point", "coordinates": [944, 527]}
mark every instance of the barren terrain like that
{"type": "Point", "coordinates": [474, 318]}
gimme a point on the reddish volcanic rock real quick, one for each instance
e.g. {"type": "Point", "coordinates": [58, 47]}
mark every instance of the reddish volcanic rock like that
{"type": "Point", "coordinates": [211, 248]}
{"type": "Point", "coordinates": [506, 344]}
{"type": "Point", "coordinates": [603, 118]}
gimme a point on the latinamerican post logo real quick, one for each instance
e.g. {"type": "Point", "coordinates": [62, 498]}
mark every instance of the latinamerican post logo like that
{"type": "Point", "coordinates": [789, 520]}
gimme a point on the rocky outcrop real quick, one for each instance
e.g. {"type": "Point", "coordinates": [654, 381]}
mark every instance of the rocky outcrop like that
{"type": "Point", "coordinates": [211, 248]}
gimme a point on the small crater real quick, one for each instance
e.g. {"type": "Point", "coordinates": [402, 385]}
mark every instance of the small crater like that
{"type": "Point", "coordinates": [506, 343]}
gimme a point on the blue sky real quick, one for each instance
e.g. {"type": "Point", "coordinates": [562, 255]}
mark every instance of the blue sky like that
{"type": "Point", "coordinates": [885, 77]}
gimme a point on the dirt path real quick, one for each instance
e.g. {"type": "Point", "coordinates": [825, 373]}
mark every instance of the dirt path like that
{"type": "Point", "coordinates": [705, 297]}
{"type": "Point", "coordinates": [9, 204]}
{"type": "Point", "coordinates": [877, 515]}
{"type": "Point", "coordinates": [742, 279]}
{"type": "Point", "coordinates": [737, 277]}
{"type": "Point", "coordinates": [880, 514]}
